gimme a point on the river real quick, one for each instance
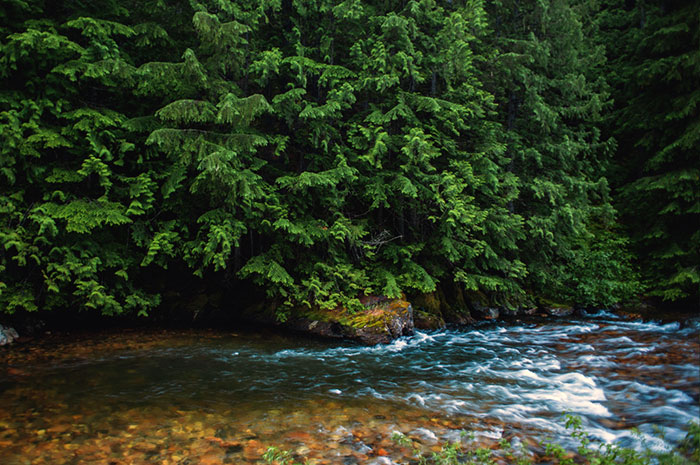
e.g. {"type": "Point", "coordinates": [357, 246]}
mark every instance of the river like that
{"type": "Point", "coordinates": [187, 397]}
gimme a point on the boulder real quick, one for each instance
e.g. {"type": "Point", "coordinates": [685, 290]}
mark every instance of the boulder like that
{"type": "Point", "coordinates": [428, 321]}
{"type": "Point", "coordinates": [485, 312]}
{"type": "Point", "coordinates": [462, 317]}
{"type": "Point", "coordinates": [7, 335]}
{"type": "Point", "coordinates": [559, 310]}
{"type": "Point", "coordinates": [528, 310]}
{"type": "Point", "coordinates": [380, 321]}
{"type": "Point", "coordinates": [428, 310]}
{"type": "Point", "coordinates": [424, 436]}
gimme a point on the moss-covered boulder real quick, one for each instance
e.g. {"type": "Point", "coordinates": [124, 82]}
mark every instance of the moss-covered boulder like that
{"type": "Point", "coordinates": [379, 322]}
{"type": "Point", "coordinates": [427, 311]}
{"type": "Point", "coordinates": [427, 321]}
{"type": "Point", "coordinates": [558, 309]}
{"type": "Point", "coordinates": [445, 305]}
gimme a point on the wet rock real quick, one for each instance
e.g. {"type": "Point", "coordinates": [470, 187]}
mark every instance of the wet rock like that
{"type": "Point", "coordinates": [490, 313]}
{"type": "Point", "coordinates": [481, 306]}
{"type": "Point", "coordinates": [7, 335]}
{"type": "Point", "coordinates": [362, 448]}
{"type": "Point", "coordinates": [693, 323]}
{"type": "Point", "coordinates": [455, 437]}
{"type": "Point", "coordinates": [299, 436]}
{"type": "Point", "coordinates": [508, 312]}
{"type": "Point", "coordinates": [528, 310]}
{"type": "Point", "coordinates": [253, 450]}
{"type": "Point", "coordinates": [381, 461]}
{"type": "Point", "coordinates": [428, 310]}
{"type": "Point", "coordinates": [380, 322]}
{"type": "Point", "coordinates": [341, 434]}
{"type": "Point", "coordinates": [428, 321]}
{"type": "Point", "coordinates": [211, 458]}
{"type": "Point", "coordinates": [559, 310]}
{"type": "Point", "coordinates": [424, 436]}
{"type": "Point", "coordinates": [485, 312]}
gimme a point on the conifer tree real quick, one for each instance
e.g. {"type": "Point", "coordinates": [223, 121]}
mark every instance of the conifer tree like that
{"type": "Point", "coordinates": [552, 97]}
{"type": "Point", "coordinates": [321, 151]}
{"type": "Point", "coordinates": [72, 184]}
{"type": "Point", "coordinates": [655, 69]}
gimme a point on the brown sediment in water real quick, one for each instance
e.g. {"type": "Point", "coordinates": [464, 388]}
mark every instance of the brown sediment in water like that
{"type": "Point", "coordinates": [43, 420]}
{"type": "Point", "coordinates": [42, 425]}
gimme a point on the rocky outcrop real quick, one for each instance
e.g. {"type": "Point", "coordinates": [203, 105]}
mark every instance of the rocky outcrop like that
{"type": "Point", "coordinates": [7, 335]}
{"type": "Point", "coordinates": [435, 309]}
{"type": "Point", "coordinates": [380, 322]}
{"type": "Point", "coordinates": [427, 321]}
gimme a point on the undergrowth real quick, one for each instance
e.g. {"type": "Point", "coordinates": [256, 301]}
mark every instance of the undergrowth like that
{"type": "Point", "coordinates": [588, 452]}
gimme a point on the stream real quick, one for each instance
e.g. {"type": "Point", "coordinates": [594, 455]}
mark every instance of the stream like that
{"type": "Point", "coordinates": [212, 397]}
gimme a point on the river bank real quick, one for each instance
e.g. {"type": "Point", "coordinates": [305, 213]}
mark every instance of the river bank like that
{"type": "Point", "coordinates": [379, 321]}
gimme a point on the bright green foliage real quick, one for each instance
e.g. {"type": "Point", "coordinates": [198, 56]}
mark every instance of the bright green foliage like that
{"type": "Point", "coordinates": [317, 151]}
{"type": "Point", "coordinates": [73, 184]}
{"type": "Point", "coordinates": [655, 69]}
{"type": "Point", "coordinates": [392, 170]}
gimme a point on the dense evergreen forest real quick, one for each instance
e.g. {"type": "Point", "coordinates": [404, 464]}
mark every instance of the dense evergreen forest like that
{"type": "Point", "coordinates": [314, 151]}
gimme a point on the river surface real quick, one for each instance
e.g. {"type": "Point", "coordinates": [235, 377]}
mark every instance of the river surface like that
{"type": "Point", "coordinates": [208, 397]}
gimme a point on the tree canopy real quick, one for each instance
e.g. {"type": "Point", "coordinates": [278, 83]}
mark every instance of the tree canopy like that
{"type": "Point", "coordinates": [321, 151]}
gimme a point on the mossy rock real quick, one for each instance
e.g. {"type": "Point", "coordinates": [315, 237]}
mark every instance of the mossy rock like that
{"type": "Point", "coordinates": [447, 304]}
{"type": "Point", "coordinates": [380, 321]}
{"type": "Point", "coordinates": [427, 313]}
{"type": "Point", "coordinates": [428, 321]}
{"type": "Point", "coordinates": [553, 308]}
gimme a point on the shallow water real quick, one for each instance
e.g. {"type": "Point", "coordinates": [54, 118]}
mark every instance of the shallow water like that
{"type": "Point", "coordinates": [206, 397]}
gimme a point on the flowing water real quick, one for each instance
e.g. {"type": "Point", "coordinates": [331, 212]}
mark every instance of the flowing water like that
{"type": "Point", "coordinates": [217, 397]}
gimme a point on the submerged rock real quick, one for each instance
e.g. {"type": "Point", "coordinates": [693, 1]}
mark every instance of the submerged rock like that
{"type": "Point", "coordinates": [381, 461]}
{"type": "Point", "coordinates": [424, 436]}
{"type": "Point", "coordinates": [7, 335]}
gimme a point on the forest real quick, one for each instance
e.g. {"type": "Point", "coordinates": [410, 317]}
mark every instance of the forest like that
{"type": "Point", "coordinates": [312, 152]}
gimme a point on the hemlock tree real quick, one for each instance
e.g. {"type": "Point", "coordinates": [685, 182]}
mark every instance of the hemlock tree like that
{"type": "Point", "coordinates": [320, 150]}
{"type": "Point", "coordinates": [395, 174]}
{"type": "Point", "coordinates": [72, 183]}
{"type": "Point", "coordinates": [552, 96]}
{"type": "Point", "coordinates": [655, 70]}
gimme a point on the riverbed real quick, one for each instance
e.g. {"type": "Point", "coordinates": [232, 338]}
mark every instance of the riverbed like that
{"type": "Point", "coordinates": [212, 397]}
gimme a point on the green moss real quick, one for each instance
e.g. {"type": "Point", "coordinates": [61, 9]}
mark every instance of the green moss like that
{"type": "Point", "coordinates": [374, 316]}
{"type": "Point", "coordinates": [545, 302]}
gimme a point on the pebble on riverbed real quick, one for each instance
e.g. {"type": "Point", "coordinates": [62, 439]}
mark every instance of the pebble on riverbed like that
{"type": "Point", "coordinates": [7, 335]}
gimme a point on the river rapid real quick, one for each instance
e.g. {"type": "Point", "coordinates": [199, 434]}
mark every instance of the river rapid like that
{"type": "Point", "coordinates": [219, 397]}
